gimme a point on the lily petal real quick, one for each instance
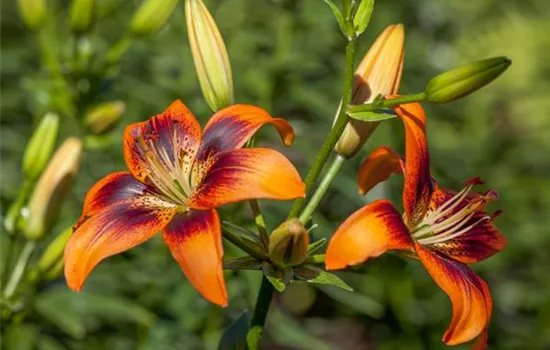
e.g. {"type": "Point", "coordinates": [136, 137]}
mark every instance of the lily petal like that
{"type": "Point", "coordinates": [469, 295]}
{"type": "Point", "coordinates": [381, 163]}
{"type": "Point", "coordinates": [114, 228]}
{"type": "Point", "coordinates": [194, 238]}
{"type": "Point", "coordinates": [173, 136]}
{"type": "Point", "coordinates": [418, 183]}
{"type": "Point", "coordinates": [367, 233]}
{"type": "Point", "coordinates": [114, 188]}
{"type": "Point", "coordinates": [232, 126]}
{"type": "Point", "coordinates": [247, 173]}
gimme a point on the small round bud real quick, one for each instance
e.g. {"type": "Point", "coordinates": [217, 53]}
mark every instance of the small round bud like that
{"type": "Point", "coordinates": [33, 13]}
{"type": "Point", "coordinates": [288, 243]}
{"type": "Point", "coordinates": [151, 16]}
{"type": "Point", "coordinates": [102, 117]}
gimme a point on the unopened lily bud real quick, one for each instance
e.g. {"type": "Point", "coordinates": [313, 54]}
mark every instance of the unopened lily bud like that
{"type": "Point", "coordinates": [288, 243]}
{"type": "Point", "coordinates": [464, 80]}
{"type": "Point", "coordinates": [54, 251]}
{"type": "Point", "coordinates": [379, 73]}
{"type": "Point", "coordinates": [52, 188]}
{"type": "Point", "coordinates": [103, 116]}
{"type": "Point", "coordinates": [40, 147]}
{"type": "Point", "coordinates": [81, 14]}
{"type": "Point", "coordinates": [210, 56]}
{"type": "Point", "coordinates": [151, 16]}
{"type": "Point", "coordinates": [33, 13]}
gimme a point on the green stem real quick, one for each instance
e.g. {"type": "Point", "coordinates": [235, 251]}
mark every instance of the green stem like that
{"type": "Point", "coordinates": [261, 309]}
{"type": "Point", "coordinates": [19, 269]}
{"type": "Point", "coordinates": [369, 107]}
{"type": "Point", "coordinates": [259, 221]}
{"type": "Point", "coordinates": [243, 246]}
{"type": "Point", "coordinates": [120, 47]}
{"type": "Point", "coordinates": [322, 188]}
{"type": "Point", "coordinates": [335, 133]}
{"type": "Point", "coordinates": [12, 216]}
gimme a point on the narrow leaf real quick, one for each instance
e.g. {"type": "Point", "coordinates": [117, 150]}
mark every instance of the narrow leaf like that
{"type": "Point", "coordinates": [234, 337]}
{"type": "Point", "coordinates": [338, 15]}
{"type": "Point", "coordinates": [314, 274]}
{"type": "Point", "coordinates": [242, 263]}
{"type": "Point", "coordinates": [372, 116]}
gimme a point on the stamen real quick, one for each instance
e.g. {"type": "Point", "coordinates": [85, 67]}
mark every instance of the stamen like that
{"type": "Point", "coordinates": [448, 206]}
{"type": "Point", "coordinates": [441, 238]}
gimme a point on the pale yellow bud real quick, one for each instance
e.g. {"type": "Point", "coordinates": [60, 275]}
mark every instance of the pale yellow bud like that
{"type": "Point", "coordinates": [103, 116]}
{"type": "Point", "coordinates": [210, 56]}
{"type": "Point", "coordinates": [379, 73]}
{"type": "Point", "coordinates": [52, 188]}
{"type": "Point", "coordinates": [151, 16]}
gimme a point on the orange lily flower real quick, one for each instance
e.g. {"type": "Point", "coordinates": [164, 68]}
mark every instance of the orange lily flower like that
{"type": "Point", "coordinates": [445, 230]}
{"type": "Point", "coordinates": [177, 177]}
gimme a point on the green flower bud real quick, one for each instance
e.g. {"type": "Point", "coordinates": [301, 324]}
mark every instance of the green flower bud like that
{"type": "Point", "coordinates": [362, 16]}
{"type": "Point", "coordinates": [40, 147]}
{"type": "Point", "coordinates": [210, 56]}
{"type": "Point", "coordinates": [33, 13]}
{"type": "Point", "coordinates": [288, 243]}
{"type": "Point", "coordinates": [103, 116]}
{"type": "Point", "coordinates": [464, 80]}
{"type": "Point", "coordinates": [81, 13]}
{"type": "Point", "coordinates": [151, 16]}
{"type": "Point", "coordinates": [54, 251]}
{"type": "Point", "coordinates": [52, 188]}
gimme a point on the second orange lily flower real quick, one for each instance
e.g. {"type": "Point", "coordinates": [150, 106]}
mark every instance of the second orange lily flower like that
{"type": "Point", "coordinates": [445, 230]}
{"type": "Point", "coordinates": [177, 178]}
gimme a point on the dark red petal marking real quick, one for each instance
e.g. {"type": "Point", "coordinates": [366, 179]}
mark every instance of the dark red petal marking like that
{"type": "Point", "coordinates": [232, 126]}
{"type": "Point", "coordinates": [111, 230]}
{"type": "Point", "coordinates": [247, 173]}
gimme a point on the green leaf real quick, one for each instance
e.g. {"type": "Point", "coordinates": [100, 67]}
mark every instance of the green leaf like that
{"type": "Point", "coordinates": [242, 232]}
{"type": "Point", "coordinates": [356, 301]}
{"type": "Point", "coordinates": [338, 15]}
{"type": "Point", "coordinates": [61, 312]}
{"type": "Point", "coordinates": [371, 116]}
{"type": "Point", "coordinates": [314, 274]}
{"type": "Point", "coordinates": [234, 337]}
{"type": "Point", "coordinates": [315, 246]}
{"type": "Point", "coordinates": [242, 263]}
{"type": "Point", "coordinates": [19, 336]}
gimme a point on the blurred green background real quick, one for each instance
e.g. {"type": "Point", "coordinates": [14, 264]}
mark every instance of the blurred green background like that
{"type": "Point", "coordinates": [287, 56]}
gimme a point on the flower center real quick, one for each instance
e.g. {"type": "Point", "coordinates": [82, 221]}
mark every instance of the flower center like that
{"type": "Point", "coordinates": [453, 218]}
{"type": "Point", "coordinates": [166, 171]}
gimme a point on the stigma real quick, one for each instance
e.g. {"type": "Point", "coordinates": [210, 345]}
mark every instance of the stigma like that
{"type": "Point", "coordinates": [455, 216]}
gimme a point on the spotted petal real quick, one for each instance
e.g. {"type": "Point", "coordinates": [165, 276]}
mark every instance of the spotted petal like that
{"type": "Point", "coordinates": [171, 138]}
{"type": "Point", "coordinates": [247, 173]}
{"type": "Point", "coordinates": [120, 213]}
{"type": "Point", "coordinates": [194, 238]}
{"type": "Point", "coordinates": [367, 233]}
{"type": "Point", "coordinates": [469, 294]}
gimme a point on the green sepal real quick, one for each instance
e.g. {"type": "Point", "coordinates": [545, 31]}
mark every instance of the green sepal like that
{"type": "Point", "coordinates": [242, 263]}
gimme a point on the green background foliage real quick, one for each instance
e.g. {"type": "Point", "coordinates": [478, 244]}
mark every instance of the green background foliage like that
{"type": "Point", "coordinates": [287, 56]}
